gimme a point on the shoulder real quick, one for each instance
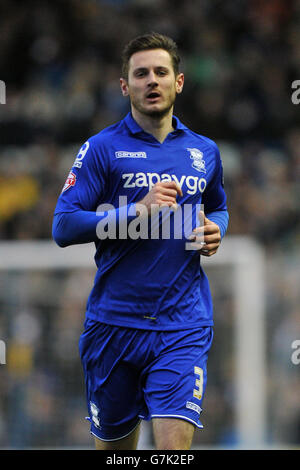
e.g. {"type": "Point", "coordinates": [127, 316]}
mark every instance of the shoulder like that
{"type": "Point", "coordinates": [93, 152]}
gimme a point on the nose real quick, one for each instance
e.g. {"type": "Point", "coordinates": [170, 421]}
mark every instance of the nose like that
{"type": "Point", "coordinates": [152, 79]}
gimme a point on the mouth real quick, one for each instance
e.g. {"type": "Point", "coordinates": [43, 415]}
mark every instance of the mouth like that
{"type": "Point", "coordinates": [153, 96]}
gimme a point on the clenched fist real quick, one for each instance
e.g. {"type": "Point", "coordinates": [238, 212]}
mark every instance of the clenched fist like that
{"type": "Point", "coordinates": [162, 194]}
{"type": "Point", "coordinates": [207, 236]}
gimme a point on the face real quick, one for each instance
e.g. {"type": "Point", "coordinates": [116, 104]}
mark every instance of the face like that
{"type": "Point", "coordinates": [152, 85]}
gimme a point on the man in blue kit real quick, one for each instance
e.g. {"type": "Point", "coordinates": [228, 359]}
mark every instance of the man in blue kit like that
{"type": "Point", "coordinates": [149, 318]}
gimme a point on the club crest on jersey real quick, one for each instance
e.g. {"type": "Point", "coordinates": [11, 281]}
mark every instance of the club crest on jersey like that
{"type": "Point", "coordinates": [70, 181]}
{"type": "Point", "coordinates": [198, 162]}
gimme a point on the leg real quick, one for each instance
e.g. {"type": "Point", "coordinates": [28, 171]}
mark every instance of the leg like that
{"type": "Point", "coordinates": [113, 394]}
{"type": "Point", "coordinates": [127, 443]}
{"type": "Point", "coordinates": [172, 433]}
{"type": "Point", "coordinates": [175, 387]}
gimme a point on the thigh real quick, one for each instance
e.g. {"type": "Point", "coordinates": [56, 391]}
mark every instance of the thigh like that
{"type": "Point", "coordinates": [172, 434]}
{"type": "Point", "coordinates": [113, 391]}
{"type": "Point", "coordinates": [176, 381]}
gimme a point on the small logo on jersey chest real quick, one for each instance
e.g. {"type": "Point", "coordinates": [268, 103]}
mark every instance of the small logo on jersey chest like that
{"type": "Point", "coordinates": [125, 154]}
{"type": "Point", "coordinates": [198, 163]}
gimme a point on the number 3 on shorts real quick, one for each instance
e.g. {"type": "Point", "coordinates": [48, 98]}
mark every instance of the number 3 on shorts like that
{"type": "Point", "coordinates": [197, 392]}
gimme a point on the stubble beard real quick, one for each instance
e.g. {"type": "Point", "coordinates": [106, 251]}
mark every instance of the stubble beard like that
{"type": "Point", "coordinates": [154, 113]}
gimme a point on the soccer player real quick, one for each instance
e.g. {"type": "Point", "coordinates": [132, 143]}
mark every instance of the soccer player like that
{"type": "Point", "coordinates": [149, 316]}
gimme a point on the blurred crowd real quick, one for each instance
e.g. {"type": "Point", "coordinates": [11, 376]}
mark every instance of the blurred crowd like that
{"type": "Point", "coordinates": [61, 65]}
{"type": "Point", "coordinates": [60, 61]}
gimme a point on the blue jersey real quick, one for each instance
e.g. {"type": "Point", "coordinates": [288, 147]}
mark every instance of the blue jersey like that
{"type": "Point", "coordinates": [151, 281]}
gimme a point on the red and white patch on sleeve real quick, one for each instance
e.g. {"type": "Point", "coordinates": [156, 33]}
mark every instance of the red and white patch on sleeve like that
{"type": "Point", "coordinates": [70, 181]}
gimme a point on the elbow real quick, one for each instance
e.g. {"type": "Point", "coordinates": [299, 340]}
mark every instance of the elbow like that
{"type": "Point", "coordinates": [58, 234]}
{"type": "Point", "coordinates": [60, 241]}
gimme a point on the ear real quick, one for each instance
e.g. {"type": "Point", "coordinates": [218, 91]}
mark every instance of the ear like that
{"type": "Point", "coordinates": [179, 82]}
{"type": "Point", "coordinates": [124, 87]}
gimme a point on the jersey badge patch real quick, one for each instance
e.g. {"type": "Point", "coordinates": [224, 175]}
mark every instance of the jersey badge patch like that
{"type": "Point", "coordinates": [70, 181]}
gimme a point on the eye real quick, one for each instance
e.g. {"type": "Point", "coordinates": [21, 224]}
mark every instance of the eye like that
{"type": "Point", "coordinates": [140, 73]}
{"type": "Point", "coordinates": [162, 72]}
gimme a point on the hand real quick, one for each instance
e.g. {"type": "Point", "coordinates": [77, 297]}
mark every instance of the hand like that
{"type": "Point", "coordinates": [160, 195]}
{"type": "Point", "coordinates": [207, 236]}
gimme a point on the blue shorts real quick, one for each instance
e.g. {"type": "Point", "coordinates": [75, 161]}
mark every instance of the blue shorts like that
{"type": "Point", "coordinates": [133, 374]}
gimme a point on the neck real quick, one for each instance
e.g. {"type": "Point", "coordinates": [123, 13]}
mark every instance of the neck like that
{"type": "Point", "coordinates": [159, 127]}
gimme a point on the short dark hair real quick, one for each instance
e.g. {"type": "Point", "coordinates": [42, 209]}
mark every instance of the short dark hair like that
{"type": "Point", "coordinates": [147, 42]}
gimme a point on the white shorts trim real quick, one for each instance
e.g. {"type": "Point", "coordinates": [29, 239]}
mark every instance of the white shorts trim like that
{"type": "Point", "coordinates": [116, 438]}
{"type": "Point", "coordinates": [200, 426]}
